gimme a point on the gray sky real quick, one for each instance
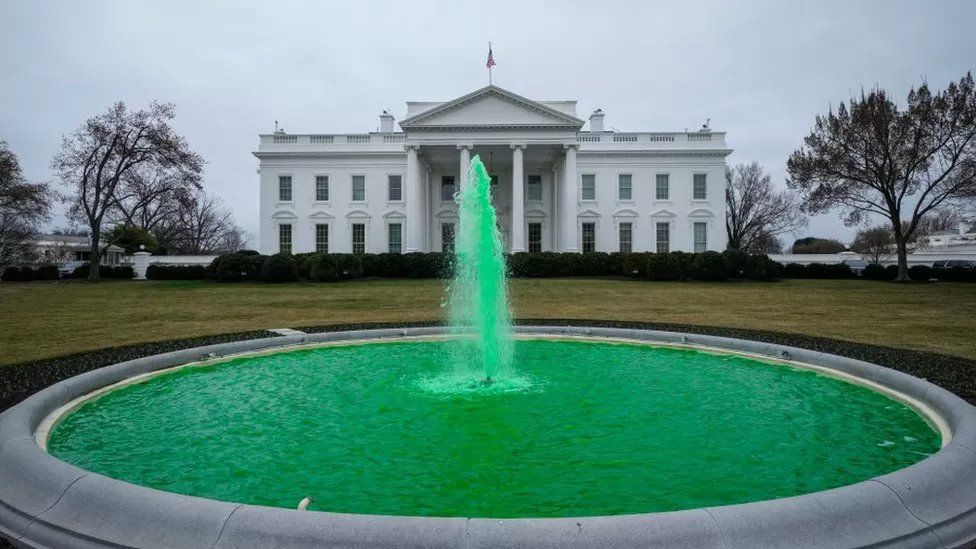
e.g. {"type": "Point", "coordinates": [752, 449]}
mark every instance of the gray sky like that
{"type": "Point", "coordinates": [759, 70]}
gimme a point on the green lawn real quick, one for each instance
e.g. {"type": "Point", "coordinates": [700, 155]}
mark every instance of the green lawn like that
{"type": "Point", "coordinates": [39, 320]}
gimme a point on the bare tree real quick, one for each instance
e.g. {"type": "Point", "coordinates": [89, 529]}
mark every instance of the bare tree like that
{"type": "Point", "coordinates": [149, 194]}
{"type": "Point", "coordinates": [201, 226]}
{"type": "Point", "coordinates": [755, 214]}
{"type": "Point", "coordinates": [938, 220]}
{"type": "Point", "coordinates": [874, 158]}
{"type": "Point", "coordinates": [94, 160]}
{"type": "Point", "coordinates": [23, 207]}
{"type": "Point", "coordinates": [876, 243]}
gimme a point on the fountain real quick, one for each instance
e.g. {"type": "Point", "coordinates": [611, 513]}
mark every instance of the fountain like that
{"type": "Point", "coordinates": [478, 295]}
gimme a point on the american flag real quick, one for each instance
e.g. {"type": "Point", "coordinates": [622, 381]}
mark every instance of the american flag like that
{"type": "Point", "coordinates": [491, 58]}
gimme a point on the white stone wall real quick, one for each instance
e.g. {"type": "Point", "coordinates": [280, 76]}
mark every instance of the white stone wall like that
{"type": "Point", "coordinates": [607, 211]}
{"type": "Point", "coordinates": [644, 210]}
{"type": "Point", "coordinates": [340, 212]}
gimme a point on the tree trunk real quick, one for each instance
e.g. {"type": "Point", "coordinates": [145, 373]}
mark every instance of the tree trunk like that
{"type": "Point", "coordinates": [902, 259]}
{"type": "Point", "coordinates": [94, 257]}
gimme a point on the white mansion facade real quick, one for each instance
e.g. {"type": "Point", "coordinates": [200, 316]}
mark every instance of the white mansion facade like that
{"type": "Point", "coordinates": [555, 186]}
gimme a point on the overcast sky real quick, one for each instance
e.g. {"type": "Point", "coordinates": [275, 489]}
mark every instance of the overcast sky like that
{"type": "Point", "coordinates": [760, 70]}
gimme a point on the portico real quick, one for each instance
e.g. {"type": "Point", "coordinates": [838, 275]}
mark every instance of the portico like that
{"type": "Point", "coordinates": [555, 187]}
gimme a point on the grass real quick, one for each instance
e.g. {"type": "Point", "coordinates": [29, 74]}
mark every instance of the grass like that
{"type": "Point", "coordinates": [42, 320]}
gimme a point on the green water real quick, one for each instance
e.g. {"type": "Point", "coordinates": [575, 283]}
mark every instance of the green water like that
{"type": "Point", "coordinates": [478, 295]}
{"type": "Point", "coordinates": [596, 429]}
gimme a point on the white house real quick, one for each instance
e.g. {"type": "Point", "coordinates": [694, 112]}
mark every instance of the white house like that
{"type": "Point", "coordinates": [556, 187]}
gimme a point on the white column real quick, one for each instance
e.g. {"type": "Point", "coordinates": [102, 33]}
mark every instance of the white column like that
{"type": "Point", "coordinates": [465, 164]}
{"type": "Point", "coordinates": [415, 207]}
{"type": "Point", "coordinates": [518, 200]}
{"type": "Point", "coordinates": [569, 208]}
{"type": "Point", "coordinates": [554, 200]}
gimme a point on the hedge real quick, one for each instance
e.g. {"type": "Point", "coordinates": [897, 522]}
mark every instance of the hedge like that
{"type": "Point", "coordinates": [955, 274]}
{"type": "Point", "coordinates": [649, 266]}
{"type": "Point", "coordinates": [817, 270]}
{"type": "Point", "coordinates": [177, 272]}
{"type": "Point", "coordinates": [26, 273]}
{"type": "Point", "coordinates": [122, 272]}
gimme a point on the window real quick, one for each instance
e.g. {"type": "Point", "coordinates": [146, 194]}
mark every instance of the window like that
{"type": "Point", "coordinates": [447, 188]}
{"type": "Point", "coordinates": [284, 239]}
{"type": "Point", "coordinates": [624, 190]}
{"type": "Point", "coordinates": [699, 187]}
{"type": "Point", "coordinates": [534, 188]}
{"type": "Point", "coordinates": [321, 238]}
{"type": "Point", "coordinates": [588, 187]}
{"type": "Point", "coordinates": [395, 188]}
{"type": "Point", "coordinates": [626, 238]}
{"type": "Point", "coordinates": [589, 237]}
{"type": "Point", "coordinates": [358, 188]}
{"type": "Point", "coordinates": [662, 189]}
{"type": "Point", "coordinates": [700, 237]}
{"type": "Point", "coordinates": [321, 188]}
{"type": "Point", "coordinates": [358, 238]}
{"type": "Point", "coordinates": [284, 188]}
{"type": "Point", "coordinates": [447, 237]}
{"type": "Point", "coordinates": [535, 237]}
{"type": "Point", "coordinates": [394, 232]}
{"type": "Point", "coordinates": [663, 238]}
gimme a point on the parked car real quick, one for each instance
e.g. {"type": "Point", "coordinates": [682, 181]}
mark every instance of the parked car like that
{"type": "Point", "coordinates": [954, 263]}
{"type": "Point", "coordinates": [67, 269]}
{"type": "Point", "coordinates": [856, 265]}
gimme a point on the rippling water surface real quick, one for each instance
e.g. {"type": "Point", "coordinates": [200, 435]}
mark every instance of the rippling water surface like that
{"type": "Point", "coordinates": [586, 429]}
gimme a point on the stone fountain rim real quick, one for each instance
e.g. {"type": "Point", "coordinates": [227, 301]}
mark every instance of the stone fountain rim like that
{"type": "Point", "coordinates": [47, 502]}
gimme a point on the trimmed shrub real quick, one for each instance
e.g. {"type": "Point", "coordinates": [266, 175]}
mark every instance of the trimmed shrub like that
{"type": "Point", "coordinates": [710, 266]}
{"type": "Point", "coordinates": [956, 274]}
{"type": "Point", "coordinates": [349, 266]}
{"type": "Point", "coordinates": [921, 273]}
{"type": "Point", "coordinates": [322, 268]}
{"type": "Point", "coordinates": [46, 272]}
{"type": "Point", "coordinates": [427, 265]}
{"type": "Point", "coordinates": [876, 271]}
{"type": "Point", "coordinates": [302, 263]}
{"type": "Point", "coordinates": [279, 268]}
{"type": "Point", "coordinates": [123, 272]}
{"type": "Point", "coordinates": [591, 264]}
{"type": "Point", "coordinates": [176, 272]}
{"type": "Point", "coordinates": [16, 273]}
{"type": "Point", "coordinates": [737, 260]}
{"type": "Point", "coordinates": [833, 271]}
{"type": "Point", "coordinates": [663, 267]}
{"type": "Point", "coordinates": [760, 267]}
{"type": "Point", "coordinates": [635, 264]}
{"type": "Point", "coordinates": [794, 270]}
{"type": "Point", "coordinates": [237, 267]}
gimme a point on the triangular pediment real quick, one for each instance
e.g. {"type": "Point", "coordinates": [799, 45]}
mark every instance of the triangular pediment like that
{"type": "Point", "coordinates": [491, 107]}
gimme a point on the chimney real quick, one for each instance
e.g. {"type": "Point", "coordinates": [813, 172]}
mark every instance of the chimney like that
{"type": "Point", "coordinates": [386, 122]}
{"type": "Point", "coordinates": [596, 121]}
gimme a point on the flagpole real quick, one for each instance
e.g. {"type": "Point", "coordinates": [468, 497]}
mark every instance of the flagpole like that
{"type": "Point", "coordinates": [489, 66]}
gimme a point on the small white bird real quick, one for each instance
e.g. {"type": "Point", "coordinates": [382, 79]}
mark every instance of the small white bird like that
{"type": "Point", "coordinates": [302, 505]}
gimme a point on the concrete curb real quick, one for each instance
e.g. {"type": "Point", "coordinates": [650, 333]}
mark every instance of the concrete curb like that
{"type": "Point", "coordinates": [45, 502]}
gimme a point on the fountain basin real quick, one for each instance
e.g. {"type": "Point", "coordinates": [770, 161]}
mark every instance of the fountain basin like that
{"type": "Point", "coordinates": [47, 501]}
